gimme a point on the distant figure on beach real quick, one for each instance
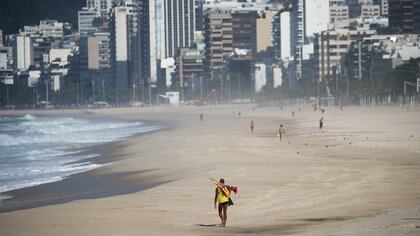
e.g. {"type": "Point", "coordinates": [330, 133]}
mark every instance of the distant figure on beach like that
{"type": "Point", "coordinates": [239, 113]}
{"type": "Point", "coordinates": [223, 201]}
{"type": "Point", "coordinates": [293, 113]}
{"type": "Point", "coordinates": [281, 108]}
{"type": "Point", "coordinates": [341, 108]}
{"type": "Point", "coordinates": [201, 117]}
{"type": "Point", "coordinates": [321, 122]}
{"type": "Point", "coordinates": [315, 107]}
{"type": "Point", "coordinates": [281, 132]}
{"type": "Point", "coordinates": [252, 125]}
{"type": "Point", "coordinates": [322, 110]}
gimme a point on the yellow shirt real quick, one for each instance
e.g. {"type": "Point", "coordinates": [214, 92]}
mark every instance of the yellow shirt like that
{"type": "Point", "coordinates": [221, 198]}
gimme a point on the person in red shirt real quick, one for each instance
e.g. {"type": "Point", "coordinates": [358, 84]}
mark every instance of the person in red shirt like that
{"type": "Point", "coordinates": [281, 132]}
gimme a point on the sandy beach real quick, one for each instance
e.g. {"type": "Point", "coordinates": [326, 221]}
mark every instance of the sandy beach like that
{"type": "Point", "coordinates": [359, 175]}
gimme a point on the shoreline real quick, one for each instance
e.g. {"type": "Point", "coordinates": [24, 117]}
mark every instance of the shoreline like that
{"type": "Point", "coordinates": [358, 175]}
{"type": "Point", "coordinates": [51, 193]}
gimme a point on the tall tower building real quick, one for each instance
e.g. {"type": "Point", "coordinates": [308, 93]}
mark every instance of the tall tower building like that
{"type": "Point", "coordinates": [218, 37]}
{"type": "Point", "coordinates": [22, 52]}
{"type": "Point", "coordinates": [120, 46]}
{"type": "Point", "coordinates": [86, 17]}
{"type": "Point", "coordinates": [298, 33]}
{"type": "Point", "coordinates": [179, 25]}
{"type": "Point", "coordinates": [317, 16]}
{"type": "Point", "coordinates": [125, 44]}
{"type": "Point", "coordinates": [404, 16]}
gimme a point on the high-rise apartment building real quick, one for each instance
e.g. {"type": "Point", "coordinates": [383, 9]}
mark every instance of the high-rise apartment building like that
{"type": "Point", "coordinates": [218, 39]}
{"type": "Point", "coordinates": [317, 16]}
{"type": "Point", "coordinates": [103, 49]}
{"type": "Point", "coordinates": [199, 15]}
{"type": "Point", "coordinates": [331, 45]}
{"type": "Point", "coordinates": [298, 33]}
{"type": "Point", "coordinates": [384, 7]}
{"type": "Point", "coordinates": [120, 46]}
{"type": "Point", "coordinates": [370, 11]}
{"type": "Point", "coordinates": [404, 16]}
{"type": "Point", "coordinates": [125, 48]}
{"type": "Point", "coordinates": [281, 36]}
{"type": "Point", "coordinates": [51, 28]}
{"type": "Point", "coordinates": [179, 25]}
{"type": "Point", "coordinates": [264, 28]}
{"type": "Point", "coordinates": [244, 30]}
{"type": "Point", "coordinates": [260, 77]}
{"type": "Point", "coordinates": [22, 53]}
{"type": "Point", "coordinates": [86, 17]}
{"type": "Point", "coordinates": [338, 10]}
{"type": "Point", "coordinates": [45, 29]}
{"type": "Point", "coordinates": [152, 40]}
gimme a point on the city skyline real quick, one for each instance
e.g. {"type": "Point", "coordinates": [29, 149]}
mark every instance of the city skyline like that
{"type": "Point", "coordinates": [131, 51]}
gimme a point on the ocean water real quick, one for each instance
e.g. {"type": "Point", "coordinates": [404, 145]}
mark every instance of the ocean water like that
{"type": "Point", "coordinates": [42, 149]}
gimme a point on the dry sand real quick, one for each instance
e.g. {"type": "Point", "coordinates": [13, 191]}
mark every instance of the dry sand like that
{"type": "Point", "coordinates": [360, 175]}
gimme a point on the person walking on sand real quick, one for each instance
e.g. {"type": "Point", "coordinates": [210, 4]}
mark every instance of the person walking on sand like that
{"type": "Point", "coordinates": [252, 125]}
{"type": "Point", "coordinates": [223, 201]}
{"type": "Point", "coordinates": [201, 117]}
{"type": "Point", "coordinates": [321, 122]}
{"type": "Point", "coordinates": [281, 132]}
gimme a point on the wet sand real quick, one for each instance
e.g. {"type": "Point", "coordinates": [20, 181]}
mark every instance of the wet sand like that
{"type": "Point", "coordinates": [360, 174]}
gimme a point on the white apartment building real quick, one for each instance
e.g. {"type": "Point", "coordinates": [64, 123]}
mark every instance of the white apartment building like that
{"type": "Point", "coordinates": [45, 29]}
{"type": "Point", "coordinates": [85, 21]}
{"type": "Point", "coordinates": [260, 76]}
{"type": "Point", "coordinates": [22, 53]}
{"type": "Point", "coordinates": [277, 77]}
{"type": "Point", "coordinates": [121, 47]}
{"type": "Point", "coordinates": [285, 46]}
{"type": "Point", "coordinates": [339, 13]}
{"type": "Point", "coordinates": [370, 11]}
{"type": "Point", "coordinates": [317, 16]}
{"type": "Point", "coordinates": [51, 28]}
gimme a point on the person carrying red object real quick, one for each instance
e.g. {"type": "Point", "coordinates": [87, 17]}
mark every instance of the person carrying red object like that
{"type": "Point", "coordinates": [222, 197]}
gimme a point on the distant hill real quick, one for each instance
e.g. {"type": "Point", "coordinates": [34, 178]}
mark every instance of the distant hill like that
{"type": "Point", "coordinates": [14, 14]}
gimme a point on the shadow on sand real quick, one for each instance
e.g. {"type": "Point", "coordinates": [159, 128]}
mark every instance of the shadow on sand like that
{"type": "Point", "coordinates": [208, 225]}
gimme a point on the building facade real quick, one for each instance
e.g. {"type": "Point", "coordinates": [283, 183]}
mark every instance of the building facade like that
{"type": "Point", "coordinates": [331, 45]}
{"type": "Point", "coordinates": [404, 16]}
{"type": "Point", "coordinates": [244, 30]}
{"type": "Point", "coordinates": [22, 53]}
{"type": "Point", "coordinates": [102, 7]}
{"type": "Point", "coordinates": [264, 24]}
{"type": "Point", "coordinates": [179, 25]}
{"type": "Point", "coordinates": [384, 7]}
{"type": "Point", "coordinates": [218, 38]}
{"type": "Point", "coordinates": [85, 21]}
{"type": "Point", "coordinates": [370, 11]}
{"type": "Point", "coordinates": [317, 16]}
{"type": "Point", "coordinates": [190, 68]}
